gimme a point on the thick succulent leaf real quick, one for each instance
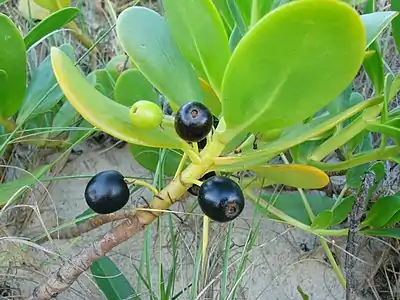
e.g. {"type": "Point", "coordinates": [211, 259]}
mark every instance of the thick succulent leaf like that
{"type": "Point", "coordinates": [292, 137]}
{"type": "Point", "coordinates": [149, 158]}
{"type": "Point", "coordinates": [111, 281]}
{"type": "Point", "coordinates": [274, 67]}
{"type": "Point", "coordinates": [30, 10]}
{"type": "Point", "coordinates": [13, 64]}
{"type": "Point", "coordinates": [382, 211]}
{"type": "Point", "coordinates": [383, 232]}
{"type": "Point", "coordinates": [200, 34]}
{"type": "Point", "coordinates": [375, 23]}
{"type": "Point", "coordinates": [237, 16]}
{"type": "Point", "coordinates": [341, 103]}
{"type": "Point", "coordinates": [105, 114]}
{"type": "Point", "coordinates": [244, 7]}
{"type": "Point", "coordinates": [235, 38]}
{"type": "Point", "coordinates": [53, 5]}
{"type": "Point", "coordinates": [322, 220]}
{"type": "Point", "coordinates": [395, 5]}
{"type": "Point", "coordinates": [66, 116]}
{"type": "Point", "coordinates": [117, 65]}
{"type": "Point", "coordinates": [42, 81]}
{"type": "Point", "coordinates": [15, 188]}
{"type": "Point", "coordinates": [103, 82]}
{"type": "Point", "coordinates": [292, 205]}
{"type": "Point", "coordinates": [132, 86]}
{"type": "Point", "coordinates": [394, 88]}
{"type": "Point", "coordinates": [53, 22]}
{"type": "Point", "coordinates": [210, 98]}
{"type": "Point", "coordinates": [374, 67]}
{"type": "Point", "coordinates": [147, 40]}
{"type": "Point", "coordinates": [225, 13]}
{"type": "Point", "coordinates": [300, 176]}
{"type": "Point", "coordinates": [341, 211]}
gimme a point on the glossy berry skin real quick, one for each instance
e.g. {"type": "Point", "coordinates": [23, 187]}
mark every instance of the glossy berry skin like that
{"type": "Point", "coordinates": [193, 121]}
{"type": "Point", "coordinates": [221, 199]}
{"type": "Point", "coordinates": [194, 189]}
{"type": "Point", "coordinates": [107, 192]}
{"type": "Point", "coordinates": [145, 114]}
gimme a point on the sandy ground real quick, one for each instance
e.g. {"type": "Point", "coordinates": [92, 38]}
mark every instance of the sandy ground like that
{"type": "Point", "coordinates": [276, 266]}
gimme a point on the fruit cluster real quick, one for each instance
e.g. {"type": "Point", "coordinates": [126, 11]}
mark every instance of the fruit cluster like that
{"type": "Point", "coordinates": [219, 197]}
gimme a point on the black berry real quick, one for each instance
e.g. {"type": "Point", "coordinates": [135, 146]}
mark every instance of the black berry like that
{"type": "Point", "coordinates": [194, 189]}
{"type": "Point", "coordinates": [221, 199]}
{"type": "Point", "coordinates": [193, 121]}
{"type": "Point", "coordinates": [107, 192]}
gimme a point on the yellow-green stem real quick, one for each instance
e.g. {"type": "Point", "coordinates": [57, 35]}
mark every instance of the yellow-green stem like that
{"type": "Point", "coordinates": [144, 184]}
{"type": "Point", "coordinates": [181, 165]}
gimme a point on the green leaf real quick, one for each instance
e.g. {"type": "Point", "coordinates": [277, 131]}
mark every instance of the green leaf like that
{"type": "Point", "coordinates": [225, 13]}
{"type": "Point", "coordinates": [53, 5]}
{"type": "Point", "coordinates": [300, 176]}
{"type": "Point", "coordinates": [42, 81]}
{"type": "Point", "coordinates": [132, 86]}
{"type": "Point", "coordinates": [244, 7]}
{"type": "Point", "coordinates": [303, 295]}
{"type": "Point", "coordinates": [210, 98]}
{"type": "Point", "coordinates": [300, 152]}
{"type": "Point", "coordinates": [235, 38]}
{"type": "Point", "coordinates": [104, 82]}
{"type": "Point", "coordinates": [382, 211]}
{"type": "Point", "coordinates": [111, 280]}
{"type": "Point", "coordinates": [375, 23]}
{"type": "Point", "coordinates": [149, 158]}
{"type": "Point", "coordinates": [13, 64]}
{"type": "Point", "coordinates": [291, 137]}
{"type": "Point", "coordinates": [265, 75]}
{"type": "Point", "coordinates": [117, 65]}
{"type": "Point", "coordinates": [341, 103]}
{"type": "Point", "coordinates": [341, 211]}
{"type": "Point", "coordinates": [104, 113]}
{"type": "Point", "coordinates": [16, 188]}
{"type": "Point", "coordinates": [322, 220]}
{"type": "Point", "coordinates": [394, 88]}
{"type": "Point", "coordinates": [395, 5]}
{"type": "Point", "coordinates": [383, 232]}
{"type": "Point", "coordinates": [53, 22]}
{"type": "Point", "coordinates": [237, 17]}
{"type": "Point", "coordinates": [374, 67]}
{"type": "Point", "coordinates": [292, 205]}
{"type": "Point", "coordinates": [147, 40]}
{"type": "Point", "coordinates": [199, 32]}
{"type": "Point", "coordinates": [66, 116]}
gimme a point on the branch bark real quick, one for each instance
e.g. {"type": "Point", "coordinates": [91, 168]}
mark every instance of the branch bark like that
{"type": "Point", "coordinates": [353, 238]}
{"type": "Point", "coordinates": [60, 280]}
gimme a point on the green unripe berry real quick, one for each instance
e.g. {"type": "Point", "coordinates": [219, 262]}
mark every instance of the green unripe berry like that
{"type": "Point", "coordinates": [145, 114]}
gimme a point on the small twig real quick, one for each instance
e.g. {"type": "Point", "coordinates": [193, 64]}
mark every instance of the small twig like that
{"type": "Point", "coordinates": [70, 271]}
{"type": "Point", "coordinates": [353, 237]}
{"type": "Point", "coordinates": [83, 227]}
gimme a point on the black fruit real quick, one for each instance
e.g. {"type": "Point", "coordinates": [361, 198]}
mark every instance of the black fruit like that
{"type": "Point", "coordinates": [221, 199]}
{"type": "Point", "coordinates": [193, 121]}
{"type": "Point", "coordinates": [107, 192]}
{"type": "Point", "coordinates": [194, 189]}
